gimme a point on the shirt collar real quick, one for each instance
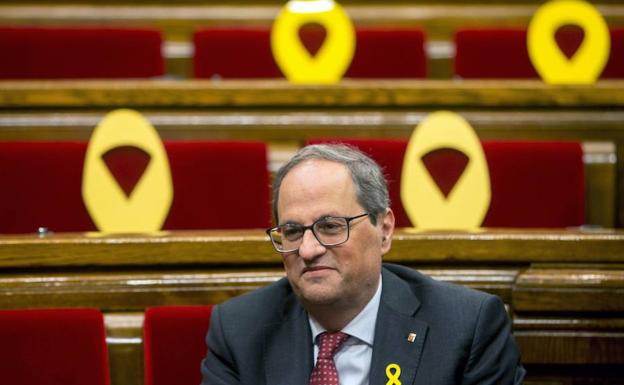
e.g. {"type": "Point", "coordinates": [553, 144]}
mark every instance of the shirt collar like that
{"type": "Point", "coordinates": [362, 326]}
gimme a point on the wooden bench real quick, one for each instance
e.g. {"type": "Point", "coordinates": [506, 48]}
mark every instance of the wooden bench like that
{"type": "Point", "coordinates": [564, 289]}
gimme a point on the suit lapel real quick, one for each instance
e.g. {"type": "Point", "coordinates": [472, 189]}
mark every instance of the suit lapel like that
{"type": "Point", "coordinates": [395, 323]}
{"type": "Point", "coordinates": [288, 348]}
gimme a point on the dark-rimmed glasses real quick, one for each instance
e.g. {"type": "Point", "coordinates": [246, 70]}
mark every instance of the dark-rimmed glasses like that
{"type": "Point", "coordinates": [329, 231]}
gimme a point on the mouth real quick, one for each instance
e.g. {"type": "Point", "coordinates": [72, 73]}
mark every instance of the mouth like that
{"type": "Point", "coordinates": [315, 270]}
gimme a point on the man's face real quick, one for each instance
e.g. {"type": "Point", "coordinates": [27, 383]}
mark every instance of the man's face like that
{"type": "Point", "coordinates": [342, 275]}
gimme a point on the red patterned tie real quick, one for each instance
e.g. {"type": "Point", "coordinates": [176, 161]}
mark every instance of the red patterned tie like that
{"type": "Point", "coordinates": [325, 372]}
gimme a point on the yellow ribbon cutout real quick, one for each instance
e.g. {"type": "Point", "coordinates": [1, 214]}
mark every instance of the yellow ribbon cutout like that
{"type": "Point", "coordinates": [148, 205]}
{"type": "Point", "coordinates": [588, 61]}
{"type": "Point", "coordinates": [333, 58]}
{"type": "Point", "coordinates": [469, 200]}
{"type": "Point", "coordinates": [393, 371]}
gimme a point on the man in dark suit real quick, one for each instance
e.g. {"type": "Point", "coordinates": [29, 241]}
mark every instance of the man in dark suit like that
{"type": "Point", "coordinates": [341, 316]}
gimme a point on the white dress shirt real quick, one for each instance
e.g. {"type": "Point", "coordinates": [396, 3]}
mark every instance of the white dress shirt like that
{"type": "Point", "coordinates": [353, 359]}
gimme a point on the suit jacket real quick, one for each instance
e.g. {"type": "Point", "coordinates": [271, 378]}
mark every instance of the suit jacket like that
{"type": "Point", "coordinates": [463, 336]}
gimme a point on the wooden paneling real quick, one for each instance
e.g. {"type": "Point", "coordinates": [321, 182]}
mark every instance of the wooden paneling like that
{"type": "Point", "coordinates": [294, 126]}
{"type": "Point", "coordinates": [571, 347]}
{"type": "Point", "coordinates": [122, 291]}
{"type": "Point", "coordinates": [124, 337]}
{"type": "Point", "coordinates": [549, 288]}
{"type": "Point", "coordinates": [572, 339]}
{"type": "Point", "coordinates": [600, 183]}
{"type": "Point", "coordinates": [130, 291]}
{"type": "Point", "coordinates": [178, 21]}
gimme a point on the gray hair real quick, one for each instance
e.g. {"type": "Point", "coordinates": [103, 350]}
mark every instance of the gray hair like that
{"type": "Point", "coordinates": [371, 189]}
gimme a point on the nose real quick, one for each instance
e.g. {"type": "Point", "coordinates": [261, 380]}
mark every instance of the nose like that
{"type": "Point", "coordinates": [310, 247]}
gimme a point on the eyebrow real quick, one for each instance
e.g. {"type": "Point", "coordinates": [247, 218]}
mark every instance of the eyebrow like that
{"type": "Point", "coordinates": [290, 222]}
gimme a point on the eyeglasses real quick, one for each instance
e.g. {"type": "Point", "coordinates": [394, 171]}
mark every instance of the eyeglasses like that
{"type": "Point", "coordinates": [329, 231]}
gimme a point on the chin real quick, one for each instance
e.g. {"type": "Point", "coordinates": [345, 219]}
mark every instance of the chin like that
{"type": "Point", "coordinates": [318, 297]}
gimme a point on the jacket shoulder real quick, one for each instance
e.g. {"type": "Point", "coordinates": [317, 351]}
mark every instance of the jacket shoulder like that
{"type": "Point", "coordinates": [435, 294]}
{"type": "Point", "coordinates": [264, 305]}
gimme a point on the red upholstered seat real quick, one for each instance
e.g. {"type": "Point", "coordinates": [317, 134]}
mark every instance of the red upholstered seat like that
{"type": "Point", "coordinates": [53, 347]}
{"type": "Point", "coordinates": [217, 185]}
{"type": "Point", "coordinates": [246, 53]}
{"type": "Point", "coordinates": [72, 53]}
{"type": "Point", "coordinates": [534, 184]}
{"type": "Point", "coordinates": [174, 344]}
{"type": "Point", "coordinates": [502, 53]}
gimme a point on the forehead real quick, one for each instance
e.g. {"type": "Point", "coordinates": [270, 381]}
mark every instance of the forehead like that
{"type": "Point", "coordinates": [317, 186]}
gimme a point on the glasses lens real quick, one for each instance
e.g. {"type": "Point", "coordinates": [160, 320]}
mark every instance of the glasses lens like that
{"type": "Point", "coordinates": [276, 238]}
{"type": "Point", "coordinates": [287, 237]}
{"type": "Point", "coordinates": [332, 231]}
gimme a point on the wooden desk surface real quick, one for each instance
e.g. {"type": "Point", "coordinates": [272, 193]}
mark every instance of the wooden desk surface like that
{"type": "Point", "coordinates": [533, 269]}
{"type": "Point", "coordinates": [252, 248]}
{"type": "Point", "coordinates": [279, 93]}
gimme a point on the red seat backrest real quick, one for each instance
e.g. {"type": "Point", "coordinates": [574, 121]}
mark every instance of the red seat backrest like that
{"type": "Point", "coordinates": [74, 53]}
{"type": "Point", "coordinates": [53, 347]}
{"type": "Point", "coordinates": [534, 184]}
{"type": "Point", "coordinates": [491, 53]}
{"type": "Point", "coordinates": [174, 344]}
{"type": "Point", "coordinates": [246, 53]}
{"type": "Point", "coordinates": [217, 185]}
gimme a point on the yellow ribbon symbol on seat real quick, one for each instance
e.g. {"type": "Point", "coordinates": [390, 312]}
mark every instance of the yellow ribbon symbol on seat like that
{"type": "Point", "coordinates": [333, 58]}
{"type": "Point", "coordinates": [467, 203]}
{"type": "Point", "coordinates": [147, 207]}
{"type": "Point", "coordinates": [589, 60]}
{"type": "Point", "coordinates": [393, 371]}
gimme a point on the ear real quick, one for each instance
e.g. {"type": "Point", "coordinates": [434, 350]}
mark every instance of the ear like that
{"type": "Point", "coordinates": [387, 229]}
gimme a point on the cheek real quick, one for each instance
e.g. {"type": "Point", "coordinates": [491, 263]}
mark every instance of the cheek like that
{"type": "Point", "coordinates": [290, 263]}
{"type": "Point", "coordinates": [370, 241]}
{"type": "Point", "coordinates": [369, 252]}
{"type": "Point", "coordinates": [360, 261]}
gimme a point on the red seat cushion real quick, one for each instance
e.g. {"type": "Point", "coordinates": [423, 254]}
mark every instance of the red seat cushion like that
{"type": "Point", "coordinates": [53, 347]}
{"type": "Point", "coordinates": [246, 53]}
{"type": "Point", "coordinates": [234, 53]}
{"type": "Point", "coordinates": [217, 185]}
{"type": "Point", "coordinates": [174, 344]}
{"type": "Point", "coordinates": [389, 53]}
{"type": "Point", "coordinates": [42, 187]}
{"type": "Point", "coordinates": [502, 53]}
{"type": "Point", "coordinates": [72, 53]}
{"type": "Point", "coordinates": [534, 184]}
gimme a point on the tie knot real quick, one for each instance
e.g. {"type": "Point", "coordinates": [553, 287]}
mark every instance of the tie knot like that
{"type": "Point", "coordinates": [329, 343]}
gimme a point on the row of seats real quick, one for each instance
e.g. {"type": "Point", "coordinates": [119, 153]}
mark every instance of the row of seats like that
{"type": "Point", "coordinates": [225, 185]}
{"type": "Point", "coordinates": [217, 185]}
{"type": "Point", "coordinates": [89, 52]}
{"type": "Point", "coordinates": [68, 346]}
